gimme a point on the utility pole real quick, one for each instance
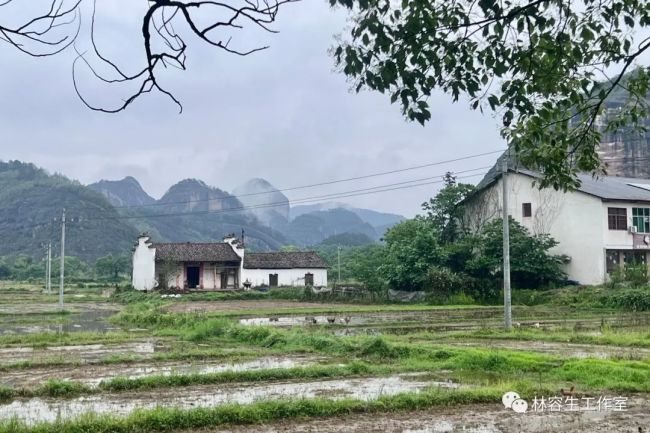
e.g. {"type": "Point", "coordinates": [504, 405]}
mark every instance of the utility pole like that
{"type": "Point", "coordinates": [507, 303]}
{"type": "Point", "coordinates": [339, 251]}
{"type": "Point", "coordinates": [49, 268]}
{"type": "Point", "coordinates": [48, 264]}
{"type": "Point", "coordinates": [62, 272]}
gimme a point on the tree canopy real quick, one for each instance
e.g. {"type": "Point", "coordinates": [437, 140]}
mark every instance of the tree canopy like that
{"type": "Point", "coordinates": [547, 68]}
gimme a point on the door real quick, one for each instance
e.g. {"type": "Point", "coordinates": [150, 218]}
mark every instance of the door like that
{"type": "Point", "coordinates": [193, 277]}
{"type": "Point", "coordinates": [309, 279]}
{"type": "Point", "coordinates": [224, 279]}
{"type": "Point", "coordinates": [273, 280]}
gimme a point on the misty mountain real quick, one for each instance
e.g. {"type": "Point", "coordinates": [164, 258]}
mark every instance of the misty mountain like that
{"type": "Point", "coordinates": [193, 211]}
{"type": "Point", "coordinates": [105, 217]}
{"type": "Point", "coordinates": [31, 203]}
{"type": "Point", "coordinates": [125, 192]}
{"type": "Point", "coordinates": [313, 227]}
{"type": "Point", "coordinates": [265, 202]}
{"type": "Point", "coordinates": [380, 221]}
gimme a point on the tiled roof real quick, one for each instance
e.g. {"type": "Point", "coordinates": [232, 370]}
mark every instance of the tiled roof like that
{"type": "Point", "coordinates": [603, 187]}
{"type": "Point", "coordinates": [283, 260]}
{"type": "Point", "coordinates": [196, 252]}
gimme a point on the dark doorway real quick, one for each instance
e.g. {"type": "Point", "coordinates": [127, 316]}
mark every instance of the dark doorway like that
{"type": "Point", "coordinates": [309, 279]}
{"type": "Point", "coordinates": [192, 277]}
{"type": "Point", "coordinates": [273, 280]}
{"type": "Point", "coordinates": [224, 279]}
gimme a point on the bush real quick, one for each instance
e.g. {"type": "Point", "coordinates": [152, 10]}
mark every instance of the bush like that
{"type": "Point", "coordinates": [444, 281]}
{"type": "Point", "coordinates": [532, 266]}
{"type": "Point", "coordinates": [637, 275]}
{"type": "Point", "coordinates": [637, 299]}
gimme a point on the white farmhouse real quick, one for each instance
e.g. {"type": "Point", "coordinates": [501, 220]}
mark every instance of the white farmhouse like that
{"type": "Point", "coordinates": [602, 225]}
{"type": "Point", "coordinates": [221, 266]}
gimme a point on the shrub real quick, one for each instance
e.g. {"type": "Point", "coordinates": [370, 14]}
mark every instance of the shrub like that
{"type": "Point", "coordinates": [444, 281]}
{"type": "Point", "coordinates": [637, 299]}
{"type": "Point", "coordinates": [637, 275]}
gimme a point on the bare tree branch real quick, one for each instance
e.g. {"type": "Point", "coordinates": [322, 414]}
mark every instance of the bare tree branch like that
{"type": "Point", "coordinates": [158, 25]}
{"type": "Point", "coordinates": [47, 33]}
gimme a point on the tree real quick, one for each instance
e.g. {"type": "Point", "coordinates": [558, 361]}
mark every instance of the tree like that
{"type": "Point", "coordinates": [412, 247]}
{"type": "Point", "coordinates": [445, 210]}
{"type": "Point", "coordinates": [56, 29]}
{"type": "Point", "coordinates": [543, 66]}
{"type": "Point", "coordinates": [112, 266]}
{"type": "Point", "coordinates": [532, 265]}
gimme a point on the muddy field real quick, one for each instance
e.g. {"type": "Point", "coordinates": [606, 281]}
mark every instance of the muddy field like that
{"type": "Point", "coordinates": [336, 352]}
{"type": "Point", "coordinates": [471, 419]}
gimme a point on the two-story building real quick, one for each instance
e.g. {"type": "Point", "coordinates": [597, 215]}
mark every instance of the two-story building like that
{"type": "Point", "coordinates": [604, 224]}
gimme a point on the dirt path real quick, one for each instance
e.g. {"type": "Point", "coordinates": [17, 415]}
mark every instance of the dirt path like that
{"type": "Point", "coordinates": [81, 354]}
{"type": "Point", "coordinates": [52, 307]}
{"type": "Point", "coordinates": [470, 419]}
{"type": "Point", "coordinates": [553, 348]}
{"type": "Point", "coordinates": [243, 306]}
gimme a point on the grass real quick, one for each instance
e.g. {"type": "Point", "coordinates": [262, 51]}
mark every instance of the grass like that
{"type": "Point", "coordinates": [169, 419]}
{"type": "Point", "coordinates": [42, 339]}
{"type": "Point", "coordinates": [611, 337]}
{"type": "Point", "coordinates": [299, 373]}
{"type": "Point", "coordinates": [51, 388]}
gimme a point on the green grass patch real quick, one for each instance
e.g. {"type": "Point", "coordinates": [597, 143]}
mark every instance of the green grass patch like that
{"type": "Point", "coordinates": [42, 339]}
{"type": "Point", "coordinates": [169, 419]}
{"type": "Point", "coordinates": [356, 368]}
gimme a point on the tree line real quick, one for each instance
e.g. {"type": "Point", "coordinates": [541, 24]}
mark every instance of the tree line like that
{"type": "Point", "coordinates": [434, 252]}
{"type": "Point", "coordinates": [110, 268]}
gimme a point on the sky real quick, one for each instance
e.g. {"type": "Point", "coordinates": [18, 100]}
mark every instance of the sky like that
{"type": "Point", "coordinates": [283, 114]}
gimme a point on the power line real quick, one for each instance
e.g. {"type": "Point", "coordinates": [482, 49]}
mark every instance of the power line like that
{"type": "Point", "coordinates": [331, 182]}
{"type": "Point", "coordinates": [343, 194]}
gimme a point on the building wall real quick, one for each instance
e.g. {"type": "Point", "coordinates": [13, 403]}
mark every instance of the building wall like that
{"type": "Point", "coordinates": [574, 219]}
{"type": "Point", "coordinates": [144, 276]}
{"type": "Point", "coordinates": [211, 275]}
{"type": "Point", "coordinates": [286, 277]}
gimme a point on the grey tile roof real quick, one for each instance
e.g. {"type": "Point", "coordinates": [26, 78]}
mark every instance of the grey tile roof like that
{"type": "Point", "coordinates": [603, 187]}
{"type": "Point", "coordinates": [615, 188]}
{"type": "Point", "coordinates": [195, 252]}
{"type": "Point", "coordinates": [283, 260]}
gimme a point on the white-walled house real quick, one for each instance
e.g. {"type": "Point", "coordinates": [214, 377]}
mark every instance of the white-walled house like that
{"type": "Point", "coordinates": [602, 225]}
{"type": "Point", "coordinates": [221, 266]}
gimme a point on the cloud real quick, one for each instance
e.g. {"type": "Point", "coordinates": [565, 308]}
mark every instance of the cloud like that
{"type": "Point", "coordinates": [282, 114]}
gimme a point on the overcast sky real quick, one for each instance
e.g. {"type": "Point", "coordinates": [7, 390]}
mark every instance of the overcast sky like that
{"type": "Point", "coordinates": [283, 114]}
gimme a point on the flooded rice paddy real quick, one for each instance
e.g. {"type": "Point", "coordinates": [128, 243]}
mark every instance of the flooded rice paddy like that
{"type": "Point", "coordinates": [89, 364]}
{"type": "Point", "coordinates": [93, 375]}
{"type": "Point", "coordinates": [35, 410]}
{"type": "Point", "coordinates": [85, 353]}
{"type": "Point", "coordinates": [486, 418]}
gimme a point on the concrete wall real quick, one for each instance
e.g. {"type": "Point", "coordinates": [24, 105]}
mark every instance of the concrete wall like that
{"type": "Point", "coordinates": [286, 277]}
{"type": "Point", "coordinates": [211, 275]}
{"type": "Point", "coordinates": [574, 219]}
{"type": "Point", "coordinates": [144, 265]}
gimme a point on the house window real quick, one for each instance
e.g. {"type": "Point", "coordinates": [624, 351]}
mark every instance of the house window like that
{"type": "Point", "coordinates": [309, 279]}
{"type": "Point", "coordinates": [641, 219]}
{"type": "Point", "coordinates": [617, 218]}
{"type": "Point", "coordinates": [526, 210]}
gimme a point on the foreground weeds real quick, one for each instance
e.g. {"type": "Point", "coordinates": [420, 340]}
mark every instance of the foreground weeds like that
{"type": "Point", "coordinates": [169, 419]}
